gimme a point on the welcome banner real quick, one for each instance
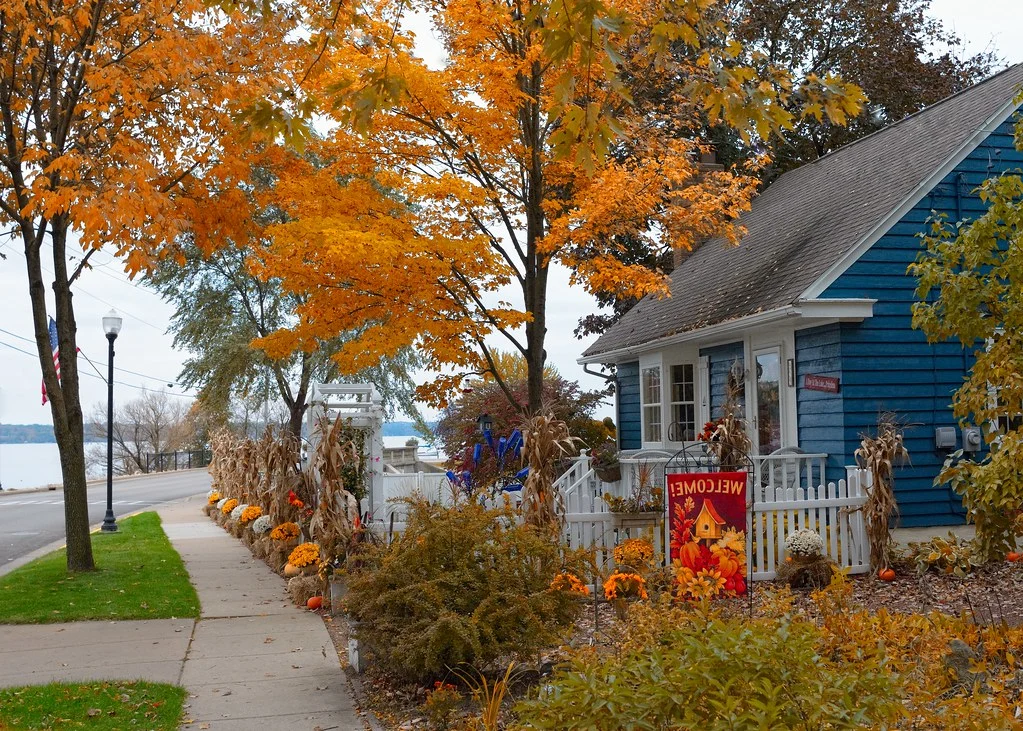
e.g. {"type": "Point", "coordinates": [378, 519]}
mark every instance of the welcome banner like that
{"type": "Point", "coordinates": [707, 511]}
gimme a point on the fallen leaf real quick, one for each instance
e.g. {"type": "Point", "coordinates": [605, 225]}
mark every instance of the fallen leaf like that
{"type": "Point", "coordinates": [268, 640]}
{"type": "Point", "coordinates": [93, 712]}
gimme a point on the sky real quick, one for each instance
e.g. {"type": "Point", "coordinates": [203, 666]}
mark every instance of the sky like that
{"type": "Point", "coordinates": [144, 349]}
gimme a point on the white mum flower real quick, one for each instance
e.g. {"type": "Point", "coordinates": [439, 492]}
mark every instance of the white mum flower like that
{"type": "Point", "coordinates": [237, 512]}
{"type": "Point", "coordinates": [220, 503]}
{"type": "Point", "coordinates": [262, 525]}
{"type": "Point", "coordinates": [804, 542]}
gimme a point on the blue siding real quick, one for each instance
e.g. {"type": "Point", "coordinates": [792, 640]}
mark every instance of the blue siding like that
{"type": "Point", "coordinates": [888, 366]}
{"type": "Point", "coordinates": [720, 359]}
{"type": "Point", "coordinates": [821, 423]}
{"type": "Point", "coordinates": [629, 426]}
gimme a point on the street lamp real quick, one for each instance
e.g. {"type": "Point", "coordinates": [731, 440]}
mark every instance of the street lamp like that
{"type": "Point", "coordinates": [111, 326]}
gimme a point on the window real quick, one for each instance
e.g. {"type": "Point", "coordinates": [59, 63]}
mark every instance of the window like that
{"type": "Point", "coordinates": [1006, 421]}
{"type": "Point", "coordinates": [683, 403]}
{"type": "Point", "coordinates": [650, 390]}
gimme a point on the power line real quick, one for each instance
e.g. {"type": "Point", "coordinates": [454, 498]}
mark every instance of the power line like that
{"type": "Point", "coordinates": [79, 288]}
{"type": "Point", "coordinates": [98, 377]}
{"type": "Point", "coordinates": [116, 368]}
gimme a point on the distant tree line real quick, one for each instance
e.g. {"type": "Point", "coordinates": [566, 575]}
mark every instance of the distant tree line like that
{"type": "Point", "coordinates": [38, 434]}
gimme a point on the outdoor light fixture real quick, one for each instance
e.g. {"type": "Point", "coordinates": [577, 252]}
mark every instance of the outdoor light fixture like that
{"type": "Point", "coordinates": [111, 326]}
{"type": "Point", "coordinates": [485, 422]}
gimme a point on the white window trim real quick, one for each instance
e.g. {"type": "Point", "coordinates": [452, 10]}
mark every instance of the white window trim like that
{"type": "Point", "coordinates": [703, 390]}
{"type": "Point", "coordinates": [994, 428]}
{"type": "Point", "coordinates": [655, 360]}
{"type": "Point", "coordinates": [698, 404]}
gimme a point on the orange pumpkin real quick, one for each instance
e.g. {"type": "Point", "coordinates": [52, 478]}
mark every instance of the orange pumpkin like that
{"type": "Point", "coordinates": [886, 574]}
{"type": "Point", "coordinates": [314, 602]}
{"type": "Point", "coordinates": [1012, 556]}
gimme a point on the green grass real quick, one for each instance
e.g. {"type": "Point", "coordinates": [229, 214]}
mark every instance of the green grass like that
{"type": "Point", "coordinates": [139, 575]}
{"type": "Point", "coordinates": [98, 706]}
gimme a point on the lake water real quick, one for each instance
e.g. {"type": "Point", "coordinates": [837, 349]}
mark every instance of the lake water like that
{"type": "Point", "coordinates": [37, 465]}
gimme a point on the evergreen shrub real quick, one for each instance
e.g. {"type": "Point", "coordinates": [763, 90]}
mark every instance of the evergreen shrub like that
{"type": "Point", "coordinates": [463, 585]}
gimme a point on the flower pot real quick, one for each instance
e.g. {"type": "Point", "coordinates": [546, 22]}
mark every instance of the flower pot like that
{"type": "Point", "coordinates": [609, 472]}
{"type": "Point", "coordinates": [637, 520]}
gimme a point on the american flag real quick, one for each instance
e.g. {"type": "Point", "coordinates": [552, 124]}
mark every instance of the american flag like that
{"type": "Point", "coordinates": [55, 346]}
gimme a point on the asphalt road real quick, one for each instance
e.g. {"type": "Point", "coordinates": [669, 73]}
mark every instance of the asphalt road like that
{"type": "Point", "coordinates": [31, 520]}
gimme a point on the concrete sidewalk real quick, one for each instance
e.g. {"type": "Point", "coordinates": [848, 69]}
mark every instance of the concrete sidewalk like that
{"type": "Point", "coordinates": [251, 660]}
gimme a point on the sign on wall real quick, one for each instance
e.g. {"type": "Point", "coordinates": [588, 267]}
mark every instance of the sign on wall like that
{"type": "Point", "coordinates": [813, 382]}
{"type": "Point", "coordinates": [707, 511]}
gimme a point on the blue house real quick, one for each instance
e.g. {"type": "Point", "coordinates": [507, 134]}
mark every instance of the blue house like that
{"type": "Point", "coordinates": [810, 315]}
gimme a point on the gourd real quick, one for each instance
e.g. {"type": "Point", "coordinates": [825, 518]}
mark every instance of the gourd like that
{"type": "Point", "coordinates": [291, 570]}
{"type": "Point", "coordinates": [886, 574]}
{"type": "Point", "coordinates": [314, 602]}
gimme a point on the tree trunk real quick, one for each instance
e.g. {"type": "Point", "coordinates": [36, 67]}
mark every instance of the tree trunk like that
{"type": "Point", "coordinates": [535, 279]}
{"type": "Point", "coordinates": [63, 395]}
{"type": "Point", "coordinates": [296, 412]}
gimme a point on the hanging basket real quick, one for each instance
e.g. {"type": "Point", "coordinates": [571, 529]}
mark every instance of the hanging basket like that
{"type": "Point", "coordinates": [637, 520]}
{"type": "Point", "coordinates": [609, 472]}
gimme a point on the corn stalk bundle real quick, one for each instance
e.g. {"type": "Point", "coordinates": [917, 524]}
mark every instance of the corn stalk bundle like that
{"type": "Point", "coordinates": [278, 458]}
{"type": "Point", "coordinates": [877, 454]}
{"type": "Point", "coordinates": [246, 468]}
{"type": "Point", "coordinates": [545, 441]}
{"type": "Point", "coordinates": [730, 442]}
{"type": "Point", "coordinates": [336, 507]}
{"type": "Point", "coordinates": [280, 475]}
{"type": "Point", "coordinates": [221, 446]}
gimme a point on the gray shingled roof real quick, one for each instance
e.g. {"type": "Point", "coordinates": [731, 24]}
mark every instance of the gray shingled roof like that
{"type": "Point", "coordinates": [810, 217]}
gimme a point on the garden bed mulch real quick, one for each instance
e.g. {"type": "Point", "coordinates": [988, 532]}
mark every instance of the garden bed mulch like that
{"type": "Point", "coordinates": [992, 594]}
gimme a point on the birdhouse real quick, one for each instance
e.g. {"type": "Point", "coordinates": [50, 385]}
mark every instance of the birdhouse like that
{"type": "Point", "coordinates": [708, 522]}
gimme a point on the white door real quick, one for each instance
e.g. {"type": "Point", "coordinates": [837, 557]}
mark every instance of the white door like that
{"type": "Point", "coordinates": [765, 402]}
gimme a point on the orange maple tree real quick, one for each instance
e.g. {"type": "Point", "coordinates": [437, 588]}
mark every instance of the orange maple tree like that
{"type": "Point", "coordinates": [441, 189]}
{"type": "Point", "coordinates": [116, 132]}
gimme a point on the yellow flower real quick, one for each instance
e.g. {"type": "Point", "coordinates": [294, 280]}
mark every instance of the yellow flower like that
{"type": "Point", "coordinates": [229, 506]}
{"type": "Point", "coordinates": [285, 532]}
{"type": "Point", "coordinates": [569, 583]}
{"type": "Point", "coordinates": [214, 498]}
{"type": "Point", "coordinates": [633, 553]}
{"type": "Point", "coordinates": [251, 513]}
{"type": "Point", "coordinates": [621, 585]}
{"type": "Point", "coordinates": [304, 555]}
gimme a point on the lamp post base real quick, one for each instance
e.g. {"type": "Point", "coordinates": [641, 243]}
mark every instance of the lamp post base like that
{"type": "Point", "coordinates": [109, 524]}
